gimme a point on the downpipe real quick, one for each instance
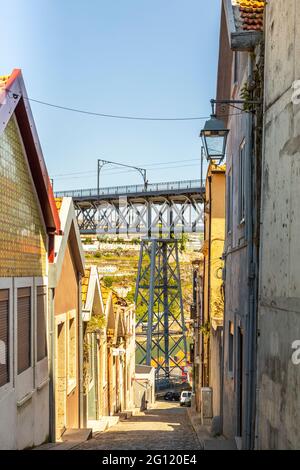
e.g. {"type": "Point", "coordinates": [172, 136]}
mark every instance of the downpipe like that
{"type": "Point", "coordinates": [252, 276]}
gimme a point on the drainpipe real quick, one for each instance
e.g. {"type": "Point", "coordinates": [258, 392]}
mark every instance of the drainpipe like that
{"type": "Point", "coordinates": [252, 277]}
{"type": "Point", "coordinates": [52, 383]}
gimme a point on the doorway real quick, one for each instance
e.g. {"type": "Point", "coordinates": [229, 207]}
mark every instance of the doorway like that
{"type": "Point", "coordinates": [240, 375]}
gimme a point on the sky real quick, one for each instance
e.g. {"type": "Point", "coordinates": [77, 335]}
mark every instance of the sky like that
{"type": "Point", "coordinates": [153, 58]}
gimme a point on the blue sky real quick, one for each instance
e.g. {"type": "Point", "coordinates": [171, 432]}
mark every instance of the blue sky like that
{"type": "Point", "coordinates": [153, 58]}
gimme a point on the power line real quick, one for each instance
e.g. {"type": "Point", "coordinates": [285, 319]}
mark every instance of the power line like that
{"type": "Point", "coordinates": [116, 116]}
{"type": "Point", "coordinates": [126, 171]}
{"type": "Point", "coordinates": [148, 166]}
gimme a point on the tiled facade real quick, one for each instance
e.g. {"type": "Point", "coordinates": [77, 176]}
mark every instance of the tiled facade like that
{"type": "Point", "coordinates": [22, 235]}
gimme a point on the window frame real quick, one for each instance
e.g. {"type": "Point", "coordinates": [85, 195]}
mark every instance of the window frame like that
{"type": "Point", "coordinates": [41, 367]}
{"type": "Point", "coordinates": [7, 284]}
{"type": "Point", "coordinates": [231, 348]}
{"type": "Point", "coordinates": [241, 183]}
{"type": "Point", "coordinates": [72, 382]}
{"type": "Point", "coordinates": [25, 381]}
{"type": "Point", "coordinates": [229, 202]}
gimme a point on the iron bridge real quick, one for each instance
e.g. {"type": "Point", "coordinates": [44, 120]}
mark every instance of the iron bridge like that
{"type": "Point", "coordinates": [159, 209]}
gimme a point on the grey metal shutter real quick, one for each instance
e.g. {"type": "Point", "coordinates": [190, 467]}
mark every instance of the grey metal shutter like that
{"type": "Point", "coordinates": [41, 322]}
{"type": "Point", "coordinates": [24, 328]}
{"type": "Point", "coordinates": [4, 337]}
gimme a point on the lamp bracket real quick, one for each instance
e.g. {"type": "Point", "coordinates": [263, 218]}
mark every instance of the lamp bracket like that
{"type": "Point", "coordinates": [232, 103]}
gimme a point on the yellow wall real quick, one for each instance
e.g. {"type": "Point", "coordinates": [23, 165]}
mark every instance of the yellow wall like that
{"type": "Point", "coordinates": [217, 247]}
{"type": "Point", "coordinates": [22, 235]}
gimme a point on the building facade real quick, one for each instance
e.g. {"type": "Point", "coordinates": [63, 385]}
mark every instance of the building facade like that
{"type": "Point", "coordinates": [29, 221]}
{"type": "Point", "coordinates": [278, 369]}
{"type": "Point", "coordinates": [240, 77]}
{"type": "Point", "coordinates": [121, 351]}
{"type": "Point", "coordinates": [95, 348]}
{"type": "Point", "coordinates": [209, 298]}
{"type": "Point", "coordinates": [65, 342]}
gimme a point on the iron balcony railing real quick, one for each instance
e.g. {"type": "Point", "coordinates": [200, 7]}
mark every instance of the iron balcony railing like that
{"type": "Point", "coordinates": [132, 189]}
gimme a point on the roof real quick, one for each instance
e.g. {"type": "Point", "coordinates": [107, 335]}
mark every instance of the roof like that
{"type": "Point", "coordinates": [245, 23]}
{"type": "Point", "coordinates": [13, 101]}
{"type": "Point", "coordinates": [69, 236]}
{"type": "Point", "coordinates": [85, 284]}
{"type": "Point", "coordinates": [249, 15]}
{"type": "Point", "coordinates": [92, 300]}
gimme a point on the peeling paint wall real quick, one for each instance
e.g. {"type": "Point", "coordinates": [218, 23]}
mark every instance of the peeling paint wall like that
{"type": "Point", "coordinates": [278, 405]}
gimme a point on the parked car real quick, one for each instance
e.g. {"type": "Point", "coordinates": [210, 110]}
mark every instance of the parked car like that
{"type": "Point", "coordinates": [186, 398]}
{"type": "Point", "coordinates": [172, 396]}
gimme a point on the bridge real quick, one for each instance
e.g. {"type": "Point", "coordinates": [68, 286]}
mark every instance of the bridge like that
{"type": "Point", "coordinates": [159, 208]}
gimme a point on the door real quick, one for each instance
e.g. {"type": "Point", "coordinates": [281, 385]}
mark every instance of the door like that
{"type": "Point", "coordinates": [240, 374]}
{"type": "Point", "coordinates": [61, 380]}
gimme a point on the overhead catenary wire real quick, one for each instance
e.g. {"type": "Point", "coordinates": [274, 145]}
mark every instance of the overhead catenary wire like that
{"type": "Point", "coordinates": [112, 170]}
{"type": "Point", "coordinates": [126, 171]}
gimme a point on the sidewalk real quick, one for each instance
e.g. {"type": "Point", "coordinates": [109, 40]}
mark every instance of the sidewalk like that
{"type": "Point", "coordinates": [204, 436]}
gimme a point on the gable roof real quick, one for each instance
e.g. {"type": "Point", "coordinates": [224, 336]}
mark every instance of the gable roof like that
{"type": "Point", "coordinates": [92, 301]}
{"type": "Point", "coordinates": [245, 23]}
{"type": "Point", "coordinates": [69, 234]}
{"type": "Point", "coordinates": [13, 101]}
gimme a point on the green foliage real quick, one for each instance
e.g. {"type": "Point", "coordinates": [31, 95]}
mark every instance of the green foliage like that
{"type": "Point", "coordinates": [96, 323]}
{"type": "Point", "coordinates": [183, 242]}
{"type": "Point", "coordinates": [108, 281]}
{"type": "Point", "coordinates": [205, 329]}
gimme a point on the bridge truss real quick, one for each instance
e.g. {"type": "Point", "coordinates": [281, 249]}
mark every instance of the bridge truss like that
{"type": "Point", "coordinates": [158, 213]}
{"type": "Point", "coordinates": [164, 208]}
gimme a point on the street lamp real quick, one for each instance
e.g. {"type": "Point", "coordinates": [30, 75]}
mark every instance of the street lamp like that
{"type": "Point", "coordinates": [214, 136]}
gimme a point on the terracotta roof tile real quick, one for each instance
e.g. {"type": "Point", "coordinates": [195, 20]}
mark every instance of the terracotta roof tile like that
{"type": "Point", "coordinates": [85, 285]}
{"type": "Point", "coordinates": [249, 14]}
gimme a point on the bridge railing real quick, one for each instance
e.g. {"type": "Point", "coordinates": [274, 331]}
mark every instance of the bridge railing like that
{"type": "Point", "coordinates": [132, 189]}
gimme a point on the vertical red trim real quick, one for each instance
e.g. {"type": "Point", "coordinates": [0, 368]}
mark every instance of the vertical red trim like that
{"type": "Point", "coordinates": [51, 252]}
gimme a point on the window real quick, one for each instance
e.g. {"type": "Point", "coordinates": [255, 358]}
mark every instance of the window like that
{"type": "Point", "coordinates": [24, 328]}
{"type": "Point", "coordinates": [230, 347]}
{"type": "Point", "coordinates": [4, 337]}
{"type": "Point", "coordinates": [242, 195]}
{"type": "Point", "coordinates": [41, 322]}
{"type": "Point", "coordinates": [229, 202]}
{"type": "Point", "coordinates": [72, 356]}
{"type": "Point", "coordinates": [235, 67]}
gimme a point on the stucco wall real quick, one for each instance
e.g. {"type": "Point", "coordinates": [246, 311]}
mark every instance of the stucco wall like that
{"type": "Point", "coordinates": [236, 247]}
{"type": "Point", "coordinates": [66, 300]}
{"type": "Point", "coordinates": [278, 415]}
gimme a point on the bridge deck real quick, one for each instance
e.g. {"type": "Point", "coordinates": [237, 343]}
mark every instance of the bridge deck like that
{"type": "Point", "coordinates": [174, 188]}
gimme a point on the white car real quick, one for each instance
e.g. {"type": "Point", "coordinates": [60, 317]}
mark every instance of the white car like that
{"type": "Point", "coordinates": [186, 398]}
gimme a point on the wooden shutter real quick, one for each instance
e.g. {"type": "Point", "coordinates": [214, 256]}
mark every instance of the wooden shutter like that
{"type": "Point", "coordinates": [41, 322]}
{"type": "Point", "coordinates": [24, 328]}
{"type": "Point", "coordinates": [4, 337]}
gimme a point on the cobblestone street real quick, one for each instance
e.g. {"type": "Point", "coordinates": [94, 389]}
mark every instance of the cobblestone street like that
{"type": "Point", "coordinates": [165, 427]}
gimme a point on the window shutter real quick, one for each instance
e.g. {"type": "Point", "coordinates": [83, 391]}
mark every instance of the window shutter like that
{"type": "Point", "coordinates": [24, 329]}
{"type": "Point", "coordinates": [4, 337]}
{"type": "Point", "coordinates": [41, 322]}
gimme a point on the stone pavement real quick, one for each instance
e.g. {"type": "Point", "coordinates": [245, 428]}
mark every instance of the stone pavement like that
{"type": "Point", "coordinates": [207, 441]}
{"type": "Point", "coordinates": [164, 427]}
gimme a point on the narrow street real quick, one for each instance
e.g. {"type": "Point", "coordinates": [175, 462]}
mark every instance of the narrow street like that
{"type": "Point", "coordinates": [165, 427]}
